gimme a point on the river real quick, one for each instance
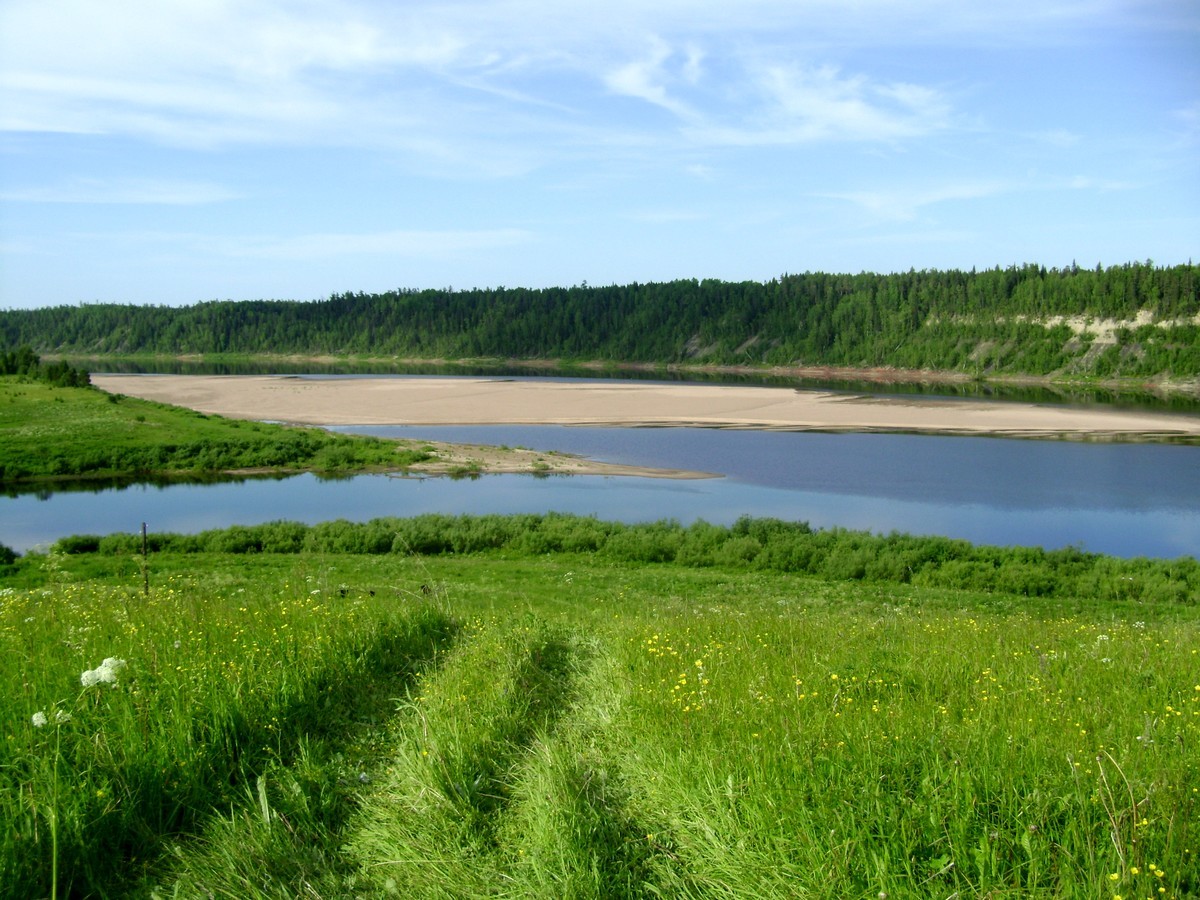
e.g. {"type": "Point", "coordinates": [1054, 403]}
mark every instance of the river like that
{"type": "Point", "coordinates": [1120, 499]}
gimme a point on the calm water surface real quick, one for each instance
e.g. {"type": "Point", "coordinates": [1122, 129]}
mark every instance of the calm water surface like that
{"type": "Point", "coordinates": [1122, 499]}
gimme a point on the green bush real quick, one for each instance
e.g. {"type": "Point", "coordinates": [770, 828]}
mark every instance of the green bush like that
{"type": "Point", "coordinates": [79, 543]}
{"type": "Point", "coordinates": [767, 545]}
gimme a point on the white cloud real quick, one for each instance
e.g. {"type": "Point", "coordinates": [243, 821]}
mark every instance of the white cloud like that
{"type": "Point", "coordinates": [667, 216]}
{"type": "Point", "coordinates": [904, 205]}
{"type": "Point", "coordinates": [391, 243]}
{"type": "Point", "coordinates": [125, 190]}
{"type": "Point", "coordinates": [1091, 183]}
{"type": "Point", "coordinates": [423, 76]}
{"type": "Point", "coordinates": [205, 73]}
{"type": "Point", "coordinates": [798, 104]}
{"type": "Point", "coordinates": [648, 79]}
{"type": "Point", "coordinates": [496, 87]}
{"type": "Point", "coordinates": [1057, 137]}
{"type": "Point", "coordinates": [1189, 124]}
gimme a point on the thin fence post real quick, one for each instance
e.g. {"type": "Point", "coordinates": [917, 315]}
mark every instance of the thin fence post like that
{"type": "Point", "coordinates": [145, 564]}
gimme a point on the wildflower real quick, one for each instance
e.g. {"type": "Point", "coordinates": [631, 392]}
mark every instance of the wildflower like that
{"type": "Point", "coordinates": [105, 673]}
{"type": "Point", "coordinates": [39, 719]}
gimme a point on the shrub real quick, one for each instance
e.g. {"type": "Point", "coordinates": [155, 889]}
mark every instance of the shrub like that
{"type": "Point", "coordinates": [79, 543]}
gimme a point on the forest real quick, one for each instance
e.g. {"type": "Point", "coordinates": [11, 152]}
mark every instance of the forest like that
{"type": "Point", "coordinates": [1136, 320]}
{"type": "Point", "coordinates": [27, 365]}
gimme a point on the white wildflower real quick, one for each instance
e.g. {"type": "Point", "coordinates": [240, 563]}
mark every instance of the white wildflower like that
{"type": "Point", "coordinates": [105, 673]}
{"type": "Point", "coordinates": [61, 718]}
{"type": "Point", "coordinates": [39, 719]}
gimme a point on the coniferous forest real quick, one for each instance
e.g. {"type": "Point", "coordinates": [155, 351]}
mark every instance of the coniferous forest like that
{"type": "Point", "coordinates": [1136, 320]}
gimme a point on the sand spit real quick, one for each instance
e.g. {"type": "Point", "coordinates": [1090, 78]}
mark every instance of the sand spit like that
{"type": "Point", "coordinates": [500, 401]}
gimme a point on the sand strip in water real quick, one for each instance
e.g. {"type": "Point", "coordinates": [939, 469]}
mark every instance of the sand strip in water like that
{"type": "Point", "coordinates": [498, 401]}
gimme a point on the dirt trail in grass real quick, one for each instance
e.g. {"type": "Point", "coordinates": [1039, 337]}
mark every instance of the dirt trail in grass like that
{"type": "Point", "coordinates": [496, 779]}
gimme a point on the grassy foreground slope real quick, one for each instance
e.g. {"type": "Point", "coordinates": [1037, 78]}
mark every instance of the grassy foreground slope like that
{"type": "Point", "coordinates": [523, 723]}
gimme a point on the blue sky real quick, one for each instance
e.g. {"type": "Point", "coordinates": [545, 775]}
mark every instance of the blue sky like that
{"type": "Point", "coordinates": [175, 151]}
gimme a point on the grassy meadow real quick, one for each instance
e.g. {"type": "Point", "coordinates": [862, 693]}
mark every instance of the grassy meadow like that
{"type": "Point", "coordinates": [50, 432]}
{"type": "Point", "coordinates": [534, 721]}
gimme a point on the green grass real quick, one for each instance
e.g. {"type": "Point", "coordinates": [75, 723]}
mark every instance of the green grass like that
{"type": "Point", "coordinates": [572, 725]}
{"type": "Point", "coordinates": [49, 432]}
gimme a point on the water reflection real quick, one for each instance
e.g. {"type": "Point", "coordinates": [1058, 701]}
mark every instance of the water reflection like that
{"type": "Point", "coordinates": [1125, 500]}
{"type": "Point", "coordinates": [993, 472]}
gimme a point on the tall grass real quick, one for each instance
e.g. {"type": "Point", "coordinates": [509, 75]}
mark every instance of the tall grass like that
{"type": "Point", "coordinates": [575, 725]}
{"type": "Point", "coordinates": [202, 684]}
{"type": "Point", "coordinates": [905, 751]}
{"type": "Point", "coordinates": [751, 736]}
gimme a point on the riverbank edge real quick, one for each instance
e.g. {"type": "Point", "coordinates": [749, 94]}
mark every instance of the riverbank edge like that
{"type": "Point", "coordinates": [1163, 387]}
{"type": "Point", "coordinates": [449, 460]}
{"type": "Point", "coordinates": [447, 400]}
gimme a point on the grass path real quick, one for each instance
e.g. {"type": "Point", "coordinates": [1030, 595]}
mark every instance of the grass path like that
{"type": "Point", "coordinates": [561, 725]}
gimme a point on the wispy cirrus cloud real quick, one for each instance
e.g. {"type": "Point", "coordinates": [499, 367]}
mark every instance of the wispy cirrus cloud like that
{"type": "Point", "coordinates": [648, 78]}
{"type": "Point", "coordinates": [123, 191]}
{"type": "Point", "coordinates": [904, 205]}
{"type": "Point", "coordinates": [667, 216]}
{"type": "Point", "coordinates": [428, 76]}
{"type": "Point", "coordinates": [402, 243]}
{"type": "Point", "coordinates": [802, 104]}
{"type": "Point", "coordinates": [210, 74]}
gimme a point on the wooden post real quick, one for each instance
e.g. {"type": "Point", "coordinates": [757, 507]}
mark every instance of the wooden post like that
{"type": "Point", "coordinates": [145, 564]}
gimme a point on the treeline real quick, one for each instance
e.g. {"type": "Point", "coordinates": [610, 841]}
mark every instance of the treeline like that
{"type": "Point", "coordinates": [24, 363]}
{"type": "Point", "coordinates": [766, 544]}
{"type": "Point", "coordinates": [998, 320]}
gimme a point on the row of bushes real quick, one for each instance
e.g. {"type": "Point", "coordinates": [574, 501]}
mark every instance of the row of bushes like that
{"type": "Point", "coordinates": [767, 544]}
{"type": "Point", "coordinates": [24, 363]}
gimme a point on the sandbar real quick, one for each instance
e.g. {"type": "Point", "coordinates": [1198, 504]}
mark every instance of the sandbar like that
{"type": "Point", "coordinates": [501, 401]}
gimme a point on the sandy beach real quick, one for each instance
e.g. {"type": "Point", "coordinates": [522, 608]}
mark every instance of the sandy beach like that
{"type": "Point", "coordinates": [499, 401]}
